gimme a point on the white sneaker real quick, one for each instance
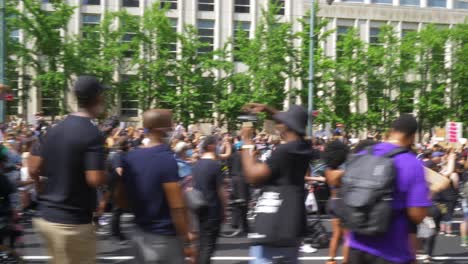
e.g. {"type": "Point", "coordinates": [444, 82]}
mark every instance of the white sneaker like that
{"type": "Point", "coordinates": [306, 248]}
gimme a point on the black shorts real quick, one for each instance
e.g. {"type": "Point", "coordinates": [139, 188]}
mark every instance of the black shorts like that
{"type": "Point", "coordinates": [331, 208]}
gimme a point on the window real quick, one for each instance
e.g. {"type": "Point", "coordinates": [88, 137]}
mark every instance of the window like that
{"type": "Point", "coordinates": [406, 32]}
{"type": "Point", "coordinates": [168, 92]}
{"type": "Point", "coordinates": [12, 107]}
{"type": "Point", "coordinates": [280, 4]}
{"type": "Point", "coordinates": [90, 21]}
{"type": "Point", "coordinates": [172, 45]}
{"type": "Point", "coordinates": [50, 103]}
{"type": "Point", "coordinates": [460, 4]}
{"type": "Point", "coordinates": [171, 4]}
{"type": "Point", "coordinates": [374, 35]}
{"type": "Point", "coordinates": [385, 2]}
{"type": "Point", "coordinates": [128, 38]}
{"type": "Point", "coordinates": [206, 5]}
{"type": "Point", "coordinates": [240, 27]}
{"type": "Point", "coordinates": [341, 32]}
{"type": "Point", "coordinates": [410, 2]}
{"type": "Point", "coordinates": [206, 34]}
{"type": "Point", "coordinates": [129, 104]}
{"type": "Point", "coordinates": [15, 35]}
{"type": "Point", "coordinates": [406, 98]}
{"type": "Point", "coordinates": [437, 3]}
{"type": "Point", "coordinates": [91, 2]}
{"type": "Point", "coordinates": [408, 28]}
{"type": "Point", "coordinates": [242, 6]}
{"type": "Point", "coordinates": [131, 3]}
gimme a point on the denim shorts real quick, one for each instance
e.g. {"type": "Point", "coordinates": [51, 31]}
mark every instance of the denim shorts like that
{"type": "Point", "coordinates": [465, 208]}
{"type": "Point", "coordinates": [272, 255]}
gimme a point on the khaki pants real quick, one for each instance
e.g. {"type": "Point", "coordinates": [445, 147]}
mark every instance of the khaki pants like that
{"type": "Point", "coordinates": [68, 244]}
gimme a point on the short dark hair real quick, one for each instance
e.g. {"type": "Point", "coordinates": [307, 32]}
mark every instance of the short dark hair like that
{"type": "Point", "coordinates": [85, 101]}
{"type": "Point", "coordinates": [406, 124]}
{"type": "Point", "coordinates": [209, 140]}
{"type": "Point", "coordinates": [335, 154]}
{"type": "Point", "coordinates": [363, 144]}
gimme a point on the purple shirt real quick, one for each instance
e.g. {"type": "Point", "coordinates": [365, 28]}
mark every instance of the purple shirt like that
{"type": "Point", "coordinates": [411, 191]}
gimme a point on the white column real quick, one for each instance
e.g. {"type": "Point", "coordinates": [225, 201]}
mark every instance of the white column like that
{"type": "Point", "coordinates": [218, 38]}
{"type": "Point", "coordinates": [423, 3]}
{"type": "Point", "coordinates": [396, 2]}
{"type": "Point", "coordinates": [367, 1]}
{"type": "Point", "coordinates": [450, 4]}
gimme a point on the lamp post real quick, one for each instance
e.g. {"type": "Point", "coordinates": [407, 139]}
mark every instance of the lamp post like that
{"type": "Point", "coordinates": [3, 40]}
{"type": "Point", "coordinates": [310, 101]}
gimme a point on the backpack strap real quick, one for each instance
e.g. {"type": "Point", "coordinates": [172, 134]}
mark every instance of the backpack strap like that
{"type": "Point", "coordinates": [396, 152]}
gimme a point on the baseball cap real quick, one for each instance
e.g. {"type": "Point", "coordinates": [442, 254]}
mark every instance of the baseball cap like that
{"type": "Point", "coordinates": [88, 87]}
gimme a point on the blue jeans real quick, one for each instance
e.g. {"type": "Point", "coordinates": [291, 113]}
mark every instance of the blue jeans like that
{"type": "Point", "coordinates": [272, 255]}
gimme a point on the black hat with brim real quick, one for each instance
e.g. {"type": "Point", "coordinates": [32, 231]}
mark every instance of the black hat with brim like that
{"type": "Point", "coordinates": [87, 86]}
{"type": "Point", "coordinates": [295, 119]}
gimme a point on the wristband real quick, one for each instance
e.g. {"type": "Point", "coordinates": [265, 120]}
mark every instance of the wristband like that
{"type": "Point", "coordinates": [248, 147]}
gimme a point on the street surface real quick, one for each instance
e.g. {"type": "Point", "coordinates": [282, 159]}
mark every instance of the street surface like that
{"type": "Point", "coordinates": [230, 250]}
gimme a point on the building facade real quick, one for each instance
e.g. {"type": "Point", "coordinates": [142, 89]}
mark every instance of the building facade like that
{"type": "Point", "coordinates": [217, 21]}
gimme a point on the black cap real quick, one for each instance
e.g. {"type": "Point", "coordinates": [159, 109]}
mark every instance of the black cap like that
{"type": "Point", "coordinates": [88, 87]}
{"type": "Point", "coordinates": [295, 119]}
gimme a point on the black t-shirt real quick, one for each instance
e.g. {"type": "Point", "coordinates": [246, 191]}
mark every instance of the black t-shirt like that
{"type": "Point", "coordinates": [289, 163]}
{"type": "Point", "coordinates": [68, 150]}
{"type": "Point", "coordinates": [208, 178]}
{"type": "Point", "coordinates": [145, 171]}
{"type": "Point", "coordinates": [6, 188]}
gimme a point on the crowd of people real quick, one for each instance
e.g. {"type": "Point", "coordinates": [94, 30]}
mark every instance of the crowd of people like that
{"type": "Point", "coordinates": [65, 175]}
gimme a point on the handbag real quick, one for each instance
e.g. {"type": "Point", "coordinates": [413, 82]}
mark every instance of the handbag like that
{"type": "Point", "coordinates": [311, 203]}
{"type": "Point", "coordinates": [280, 219]}
{"type": "Point", "coordinates": [194, 198]}
{"type": "Point", "coordinates": [426, 228]}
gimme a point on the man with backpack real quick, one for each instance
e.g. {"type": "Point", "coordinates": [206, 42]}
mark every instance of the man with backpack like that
{"type": "Point", "coordinates": [383, 195]}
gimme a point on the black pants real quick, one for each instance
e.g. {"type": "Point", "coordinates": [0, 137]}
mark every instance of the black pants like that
{"type": "Point", "coordinates": [115, 223]}
{"type": "Point", "coordinates": [241, 192]}
{"type": "Point", "coordinates": [208, 235]}
{"type": "Point", "coordinates": [360, 257]}
{"type": "Point", "coordinates": [437, 215]}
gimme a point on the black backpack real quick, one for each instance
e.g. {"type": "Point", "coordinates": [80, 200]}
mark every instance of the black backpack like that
{"type": "Point", "coordinates": [365, 196]}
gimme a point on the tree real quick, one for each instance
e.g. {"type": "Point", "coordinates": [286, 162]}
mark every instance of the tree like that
{"type": "Point", "coordinates": [324, 69]}
{"type": "Point", "coordinates": [154, 62]}
{"type": "Point", "coordinates": [43, 50]}
{"type": "Point", "coordinates": [350, 80]}
{"type": "Point", "coordinates": [432, 76]}
{"type": "Point", "coordinates": [270, 56]}
{"type": "Point", "coordinates": [459, 73]}
{"type": "Point", "coordinates": [101, 50]}
{"type": "Point", "coordinates": [198, 85]}
{"type": "Point", "coordinates": [385, 77]}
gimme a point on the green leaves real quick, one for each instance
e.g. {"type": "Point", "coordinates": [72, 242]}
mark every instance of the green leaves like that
{"type": "Point", "coordinates": [365, 86]}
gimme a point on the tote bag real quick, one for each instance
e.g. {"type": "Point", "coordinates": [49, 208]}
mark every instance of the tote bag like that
{"type": "Point", "coordinates": [280, 216]}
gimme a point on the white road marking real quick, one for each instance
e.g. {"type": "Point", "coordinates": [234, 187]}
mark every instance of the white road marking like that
{"type": "Point", "coordinates": [227, 258]}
